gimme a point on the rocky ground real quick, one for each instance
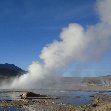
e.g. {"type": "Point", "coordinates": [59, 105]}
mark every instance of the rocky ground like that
{"type": "Point", "coordinates": [100, 102]}
{"type": "Point", "coordinates": [38, 105]}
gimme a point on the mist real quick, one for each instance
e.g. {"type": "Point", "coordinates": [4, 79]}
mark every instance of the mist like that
{"type": "Point", "coordinates": [76, 44]}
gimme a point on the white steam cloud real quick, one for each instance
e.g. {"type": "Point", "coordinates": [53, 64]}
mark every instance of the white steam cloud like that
{"type": "Point", "coordinates": [76, 44]}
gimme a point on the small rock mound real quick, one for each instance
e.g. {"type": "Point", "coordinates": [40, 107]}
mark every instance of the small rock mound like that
{"type": "Point", "coordinates": [31, 95]}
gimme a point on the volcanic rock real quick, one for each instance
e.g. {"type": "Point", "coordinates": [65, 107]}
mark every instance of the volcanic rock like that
{"type": "Point", "coordinates": [30, 95]}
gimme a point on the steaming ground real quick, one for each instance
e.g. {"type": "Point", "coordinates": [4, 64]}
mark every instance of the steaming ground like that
{"type": "Point", "coordinates": [76, 44]}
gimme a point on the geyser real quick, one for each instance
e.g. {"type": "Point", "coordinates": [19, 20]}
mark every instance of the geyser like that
{"type": "Point", "coordinates": [76, 44]}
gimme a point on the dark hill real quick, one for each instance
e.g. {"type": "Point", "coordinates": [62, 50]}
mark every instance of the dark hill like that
{"type": "Point", "coordinates": [10, 70]}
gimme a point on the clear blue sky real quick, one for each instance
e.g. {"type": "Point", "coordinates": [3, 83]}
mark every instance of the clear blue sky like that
{"type": "Point", "coordinates": [26, 26]}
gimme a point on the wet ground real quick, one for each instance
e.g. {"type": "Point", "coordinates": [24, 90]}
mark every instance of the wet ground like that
{"type": "Point", "coordinates": [66, 97]}
{"type": "Point", "coordinates": [11, 108]}
{"type": "Point", "coordinates": [64, 101]}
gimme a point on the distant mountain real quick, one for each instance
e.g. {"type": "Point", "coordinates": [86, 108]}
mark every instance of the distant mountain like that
{"type": "Point", "coordinates": [10, 70]}
{"type": "Point", "coordinates": [101, 80]}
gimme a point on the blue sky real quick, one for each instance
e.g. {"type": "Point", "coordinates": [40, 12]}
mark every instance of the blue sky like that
{"type": "Point", "coordinates": [26, 26]}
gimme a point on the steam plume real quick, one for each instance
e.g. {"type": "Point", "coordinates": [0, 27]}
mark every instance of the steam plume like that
{"type": "Point", "coordinates": [75, 44]}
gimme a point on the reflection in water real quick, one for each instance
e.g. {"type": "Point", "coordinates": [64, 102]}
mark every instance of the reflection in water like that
{"type": "Point", "coordinates": [11, 108]}
{"type": "Point", "coordinates": [70, 97]}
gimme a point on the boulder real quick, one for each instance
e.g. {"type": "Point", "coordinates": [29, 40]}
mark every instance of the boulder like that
{"type": "Point", "coordinates": [30, 95]}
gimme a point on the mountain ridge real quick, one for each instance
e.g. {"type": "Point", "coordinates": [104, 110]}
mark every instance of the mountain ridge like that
{"type": "Point", "coordinates": [10, 70]}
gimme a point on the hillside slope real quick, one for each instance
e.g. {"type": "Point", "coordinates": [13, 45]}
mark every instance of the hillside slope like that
{"type": "Point", "coordinates": [10, 70]}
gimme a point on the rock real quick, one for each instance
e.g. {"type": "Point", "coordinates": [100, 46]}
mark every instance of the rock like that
{"type": "Point", "coordinates": [30, 95]}
{"type": "Point", "coordinates": [94, 105]}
